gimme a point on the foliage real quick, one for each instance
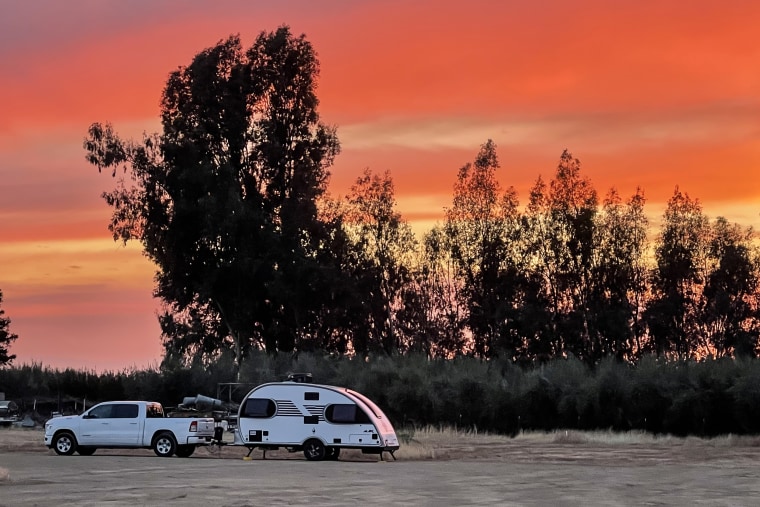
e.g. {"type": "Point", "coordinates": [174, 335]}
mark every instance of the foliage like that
{"type": "Point", "coordinates": [382, 243]}
{"type": "Point", "coordinates": [6, 337]}
{"type": "Point", "coordinates": [680, 254]}
{"type": "Point", "coordinates": [707, 398]}
{"type": "Point", "coordinates": [224, 200]}
{"type": "Point", "coordinates": [480, 229]}
{"type": "Point", "coordinates": [230, 202]}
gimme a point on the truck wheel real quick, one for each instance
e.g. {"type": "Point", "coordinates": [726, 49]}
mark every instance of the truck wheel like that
{"type": "Point", "coordinates": [185, 451]}
{"type": "Point", "coordinates": [86, 451]}
{"type": "Point", "coordinates": [314, 450]}
{"type": "Point", "coordinates": [332, 453]}
{"type": "Point", "coordinates": [64, 443]}
{"type": "Point", "coordinates": [164, 445]}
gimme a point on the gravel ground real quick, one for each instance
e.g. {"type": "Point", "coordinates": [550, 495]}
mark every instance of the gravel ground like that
{"type": "Point", "coordinates": [500, 472]}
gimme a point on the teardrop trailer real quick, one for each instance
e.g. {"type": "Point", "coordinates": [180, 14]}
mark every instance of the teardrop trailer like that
{"type": "Point", "coordinates": [319, 420]}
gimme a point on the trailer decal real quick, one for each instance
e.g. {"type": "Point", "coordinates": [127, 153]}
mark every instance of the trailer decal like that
{"type": "Point", "coordinates": [288, 408]}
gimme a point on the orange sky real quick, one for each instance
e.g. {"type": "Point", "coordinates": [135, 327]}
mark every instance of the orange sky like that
{"type": "Point", "coordinates": [651, 94]}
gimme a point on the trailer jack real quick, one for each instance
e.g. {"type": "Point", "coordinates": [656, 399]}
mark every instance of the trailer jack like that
{"type": "Point", "coordinates": [389, 452]}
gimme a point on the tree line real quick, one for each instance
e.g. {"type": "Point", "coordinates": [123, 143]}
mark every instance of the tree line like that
{"type": "Point", "coordinates": [706, 398]}
{"type": "Point", "coordinates": [230, 202]}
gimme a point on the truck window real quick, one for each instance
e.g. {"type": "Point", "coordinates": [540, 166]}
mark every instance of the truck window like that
{"type": "Point", "coordinates": [346, 414]}
{"type": "Point", "coordinates": [101, 412]}
{"type": "Point", "coordinates": [258, 407]}
{"type": "Point", "coordinates": [154, 411]}
{"type": "Point", "coordinates": [125, 411]}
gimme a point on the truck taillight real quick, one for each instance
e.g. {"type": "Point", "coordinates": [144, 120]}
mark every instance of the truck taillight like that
{"type": "Point", "coordinates": [194, 426]}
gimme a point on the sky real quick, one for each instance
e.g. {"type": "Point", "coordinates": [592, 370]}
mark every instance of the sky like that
{"type": "Point", "coordinates": [650, 94]}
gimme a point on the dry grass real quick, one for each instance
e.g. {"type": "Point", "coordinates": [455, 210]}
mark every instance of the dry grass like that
{"type": "Point", "coordinates": [447, 443]}
{"type": "Point", "coordinates": [430, 443]}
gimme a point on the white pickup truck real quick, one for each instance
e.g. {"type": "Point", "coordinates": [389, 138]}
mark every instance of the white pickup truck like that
{"type": "Point", "coordinates": [127, 424]}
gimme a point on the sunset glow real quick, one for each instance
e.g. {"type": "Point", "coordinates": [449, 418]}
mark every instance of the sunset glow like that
{"type": "Point", "coordinates": [645, 94]}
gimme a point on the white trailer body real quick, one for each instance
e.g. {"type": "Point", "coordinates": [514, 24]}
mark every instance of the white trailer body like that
{"type": "Point", "coordinates": [318, 419]}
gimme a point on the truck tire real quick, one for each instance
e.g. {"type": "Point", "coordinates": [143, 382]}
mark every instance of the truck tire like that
{"type": "Point", "coordinates": [164, 444]}
{"type": "Point", "coordinates": [185, 451]}
{"type": "Point", "coordinates": [64, 443]}
{"type": "Point", "coordinates": [314, 450]}
{"type": "Point", "coordinates": [86, 451]}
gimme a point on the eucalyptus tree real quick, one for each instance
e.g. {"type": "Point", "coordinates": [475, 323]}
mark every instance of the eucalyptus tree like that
{"type": "Point", "coordinates": [433, 315]}
{"type": "Point", "coordinates": [560, 224]}
{"type": "Point", "coordinates": [224, 199]}
{"type": "Point", "coordinates": [619, 277]}
{"type": "Point", "coordinates": [481, 226]}
{"type": "Point", "coordinates": [385, 247]}
{"type": "Point", "coordinates": [678, 278]}
{"type": "Point", "coordinates": [6, 337]}
{"type": "Point", "coordinates": [730, 302]}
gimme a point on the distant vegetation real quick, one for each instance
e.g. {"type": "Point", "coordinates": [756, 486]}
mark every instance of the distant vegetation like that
{"type": "Point", "coordinates": [681, 397]}
{"type": "Point", "coordinates": [6, 337]}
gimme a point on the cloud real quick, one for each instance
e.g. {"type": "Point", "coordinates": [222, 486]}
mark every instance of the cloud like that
{"type": "Point", "coordinates": [598, 132]}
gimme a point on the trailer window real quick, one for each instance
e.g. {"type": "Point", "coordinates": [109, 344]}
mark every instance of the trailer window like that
{"type": "Point", "coordinates": [346, 414]}
{"type": "Point", "coordinates": [259, 407]}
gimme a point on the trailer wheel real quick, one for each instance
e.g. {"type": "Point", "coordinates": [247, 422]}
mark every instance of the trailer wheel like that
{"type": "Point", "coordinates": [184, 451]}
{"type": "Point", "coordinates": [332, 453]}
{"type": "Point", "coordinates": [64, 443]}
{"type": "Point", "coordinates": [164, 444]}
{"type": "Point", "coordinates": [314, 450]}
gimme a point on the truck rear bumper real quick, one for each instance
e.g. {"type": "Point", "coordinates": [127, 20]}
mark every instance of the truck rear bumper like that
{"type": "Point", "coordinates": [194, 440]}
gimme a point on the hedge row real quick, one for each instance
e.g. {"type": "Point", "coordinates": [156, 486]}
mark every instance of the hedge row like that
{"type": "Point", "coordinates": [681, 398]}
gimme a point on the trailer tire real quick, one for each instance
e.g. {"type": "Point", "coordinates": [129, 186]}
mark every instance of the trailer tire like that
{"type": "Point", "coordinates": [164, 444]}
{"type": "Point", "coordinates": [64, 443]}
{"type": "Point", "coordinates": [314, 450]}
{"type": "Point", "coordinates": [184, 451]}
{"type": "Point", "coordinates": [332, 453]}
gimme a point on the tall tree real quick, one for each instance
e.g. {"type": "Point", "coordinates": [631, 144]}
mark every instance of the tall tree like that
{"type": "Point", "coordinates": [560, 226]}
{"type": "Point", "coordinates": [6, 337]}
{"type": "Point", "coordinates": [480, 226]}
{"type": "Point", "coordinates": [433, 316]}
{"type": "Point", "coordinates": [681, 256]}
{"type": "Point", "coordinates": [730, 301]}
{"type": "Point", "coordinates": [618, 282]}
{"type": "Point", "coordinates": [224, 200]}
{"type": "Point", "coordinates": [385, 246]}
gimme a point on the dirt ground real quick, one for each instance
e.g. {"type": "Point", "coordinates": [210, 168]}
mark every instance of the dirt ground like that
{"type": "Point", "coordinates": [432, 469]}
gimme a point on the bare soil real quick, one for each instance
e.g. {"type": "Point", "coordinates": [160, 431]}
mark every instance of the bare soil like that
{"type": "Point", "coordinates": [433, 468]}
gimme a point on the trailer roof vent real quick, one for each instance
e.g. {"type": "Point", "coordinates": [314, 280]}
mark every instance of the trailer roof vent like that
{"type": "Point", "coordinates": [301, 378]}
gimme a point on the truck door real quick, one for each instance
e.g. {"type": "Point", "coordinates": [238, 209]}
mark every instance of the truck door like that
{"type": "Point", "coordinates": [125, 427]}
{"type": "Point", "coordinates": [95, 425]}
